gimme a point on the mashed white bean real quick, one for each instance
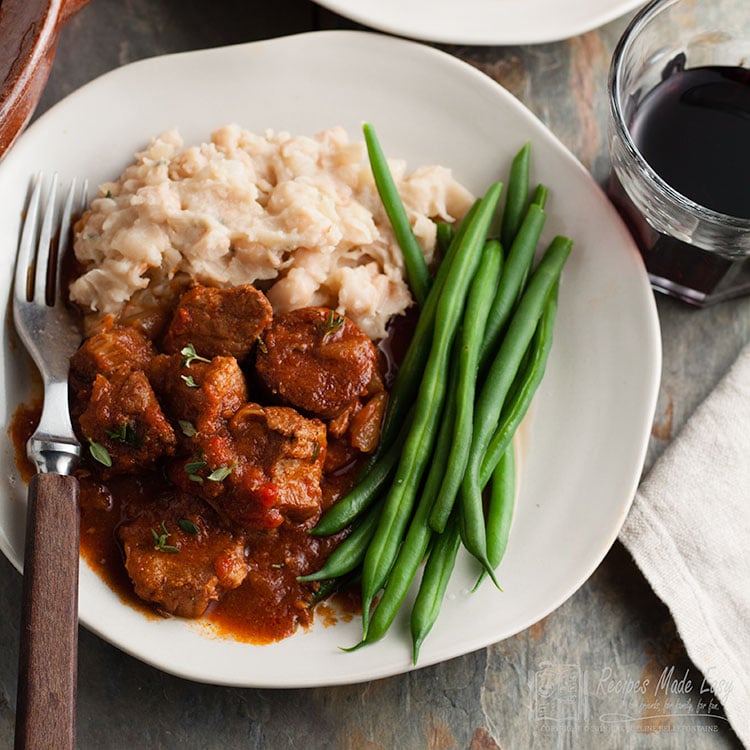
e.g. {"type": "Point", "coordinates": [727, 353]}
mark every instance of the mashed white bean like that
{"type": "Point", "coordinates": [298, 216]}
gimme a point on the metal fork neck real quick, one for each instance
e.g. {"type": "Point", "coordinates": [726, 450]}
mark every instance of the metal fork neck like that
{"type": "Point", "coordinates": [52, 456]}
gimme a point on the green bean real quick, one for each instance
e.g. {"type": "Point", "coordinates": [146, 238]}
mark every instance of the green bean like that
{"type": "Point", "coordinates": [483, 289]}
{"type": "Point", "coordinates": [418, 536]}
{"type": "Point", "coordinates": [500, 511]}
{"type": "Point", "coordinates": [334, 585]}
{"type": "Point", "coordinates": [539, 199]}
{"type": "Point", "coordinates": [497, 384]}
{"type": "Point", "coordinates": [528, 382]}
{"type": "Point", "coordinates": [399, 501]}
{"type": "Point", "coordinates": [378, 469]}
{"type": "Point", "coordinates": [414, 262]}
{"type": "Point", "coordinates": [362, 496]}
{"type": "Point", "coordinates": [516, 195]}
{"type": "Point", "coordinates": [540, 196]}
{"type": "Point", "coordinates": [433, 585]}
{"type": "Point", "coordinates": [350, 552]}
{"type": "Point", "coordinates": [444, 235]}
{"type": "Point", "coordinates": [520, 255]}
{"type": "Point", "coordinates": [405, 387]}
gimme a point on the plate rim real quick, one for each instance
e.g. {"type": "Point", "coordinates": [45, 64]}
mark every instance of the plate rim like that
{"type": "Point", "coordinates": [654, 352]}
{"type": "Point", "coordinates": [454, 33]}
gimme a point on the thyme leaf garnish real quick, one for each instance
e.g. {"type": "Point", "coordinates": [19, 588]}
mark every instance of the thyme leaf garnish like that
{"type": "Point", "coordinates": [160, 540]}
{"type": "Point", "coordinates": [330, 325]}
{"type": "Point", "coordinates": [189, 356]}
{"type": "Point", "coordinates": [99, 453]}
{"type": "Point", "coordinates": [187, 526]}
{"type": "Point", "coordinates": [187, 428]}
{"type": "Point", "coordinates": [125, 434]}
{"type": "Point", "coordinates": [193, 467]}
{"type": "Point", "coordinates": [220, 474]}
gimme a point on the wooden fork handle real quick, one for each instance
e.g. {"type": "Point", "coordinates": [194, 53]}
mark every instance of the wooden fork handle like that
{"type": "Point", "coordinates": [48, 660]}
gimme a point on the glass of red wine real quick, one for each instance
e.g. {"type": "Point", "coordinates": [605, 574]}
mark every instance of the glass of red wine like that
{"type": "Point", "coordinates": [679, 141]}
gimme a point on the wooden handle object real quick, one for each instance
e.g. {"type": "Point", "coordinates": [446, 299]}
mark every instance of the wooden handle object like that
{"type": "Point", "coordinates": [48, 660]}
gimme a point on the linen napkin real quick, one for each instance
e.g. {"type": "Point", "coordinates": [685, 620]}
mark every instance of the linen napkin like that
{"type": "Point", "coordinates": [689, 533]}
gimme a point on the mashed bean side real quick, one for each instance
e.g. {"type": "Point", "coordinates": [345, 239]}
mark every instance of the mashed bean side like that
{"type": "Point", "coordinates": [298, 216]}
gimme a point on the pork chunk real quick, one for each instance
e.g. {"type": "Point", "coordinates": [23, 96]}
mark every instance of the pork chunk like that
{"type": "Point", "coordinates": [179, 555]}
{"type": "Point", "coordinates": [204, 394]}
{"type": "Point", "coordinates": [123, 415]}
{"type": "Point", "coordinates": [111, 349]}
{"type": "Point", "coordinates": [218, 322]}
{"type": "Point", "coordinates": [266, 469]}
{"type": "Point", "coordinates": [316, 360]}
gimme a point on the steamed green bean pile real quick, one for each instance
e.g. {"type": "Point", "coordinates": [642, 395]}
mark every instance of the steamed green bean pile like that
{"type": "Point", "coordinates": [443, 474]}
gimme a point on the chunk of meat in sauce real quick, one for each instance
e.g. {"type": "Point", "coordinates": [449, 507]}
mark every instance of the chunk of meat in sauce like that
{"type": "Point", "coordinates": [123, 415]}
{"type": "Point", "coordinates": [218, 322]}
{"type": "Point", "coordinates": [111, 349]}
{"type": "Point", "coordinates": [316, 360]}
{"type": "Point", "coordinates": [180, 571]}
{"type": "Point", "coordinates": [270, 466]}
{"type": "Point", "coordinates": [205, 394]}
{"type": "Point", "coordinates": [364, 427]}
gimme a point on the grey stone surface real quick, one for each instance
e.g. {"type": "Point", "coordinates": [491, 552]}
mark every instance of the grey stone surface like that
{"type": "Point", "coordinates": [608, 637]}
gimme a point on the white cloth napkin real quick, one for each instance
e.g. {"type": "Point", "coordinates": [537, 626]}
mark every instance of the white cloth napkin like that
{"type": "Point", "coordinates": [689, 533]}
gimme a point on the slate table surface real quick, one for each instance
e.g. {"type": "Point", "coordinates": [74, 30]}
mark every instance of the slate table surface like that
{"type": "Point", "coordinates": [606, 639]}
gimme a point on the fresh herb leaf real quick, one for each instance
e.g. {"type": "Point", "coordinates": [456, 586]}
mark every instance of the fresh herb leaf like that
{"type": "Point", "coordinates": [188, 428]}
{"type": "Point", "coordinates": [194, 466]}
{"type": "Point", "coordinates": [330, 325]}
{"type": "Point", "coordinates": [189, 382]}
{"type": "Point", "coordinates": [189, 356]}
{"type": "Point", "coordinates": [187, 526]}
{"type": "Point", "coordinates": [125, 434]}
{"type": "Point", "coordinates": [108, 194]}
{"type": "Point", "coordinates": [120, 433]}
{"type": "Point", "coordinates": [99, 453]}
{"type": "Point", "coordinates": [220, 474]}
{"type": "Point", "coordinates": [160, 540]}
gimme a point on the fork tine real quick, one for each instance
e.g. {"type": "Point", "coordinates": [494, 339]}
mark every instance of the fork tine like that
{"type": "Point", "coordinates": [25, 256]}
{"type": "Point", "coordinates": [84, 197]}
{"type": "Point", "coordinates": [66, 234]}
{"type": "Point", "coordinates": [69, 211]}
{"type": "Point", "coordinates": [66, 215]}
{"type": "Point", "coordinates": [64, 238]}
{"type": "Point", "coordinates": [44, 245]}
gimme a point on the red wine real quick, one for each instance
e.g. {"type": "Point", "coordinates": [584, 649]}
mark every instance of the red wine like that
{"type": "Point", "coordinates": [693, 129]}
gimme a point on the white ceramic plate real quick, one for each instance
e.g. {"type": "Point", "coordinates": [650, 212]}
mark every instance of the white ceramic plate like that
{"type": "Point", "coordinates": [483, 22]}
{"type": "Point", "coordinates": [587, 439]}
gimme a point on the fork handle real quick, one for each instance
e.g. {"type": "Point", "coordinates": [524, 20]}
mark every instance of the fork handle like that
{"type": "Point", "coordinates": [48, 659]}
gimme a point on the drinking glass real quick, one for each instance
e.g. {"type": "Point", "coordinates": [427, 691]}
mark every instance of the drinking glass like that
{"type": "Point", "coordinates": [691, 251]}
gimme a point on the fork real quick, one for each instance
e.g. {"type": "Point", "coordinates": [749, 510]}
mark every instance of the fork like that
{"type": "Point", "coordinates": [47, 677]}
